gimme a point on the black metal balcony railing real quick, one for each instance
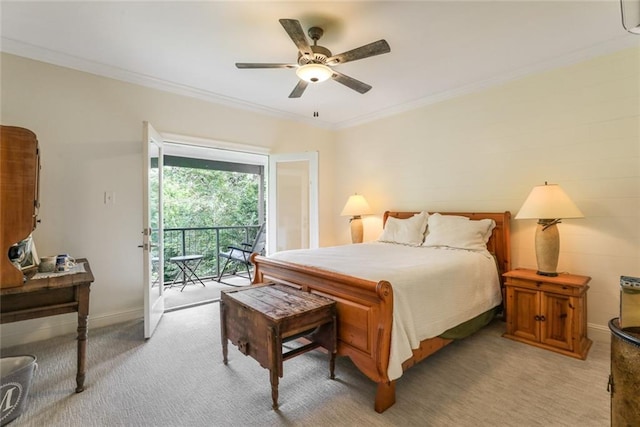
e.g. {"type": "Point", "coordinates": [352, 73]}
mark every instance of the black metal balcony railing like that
{"type": "Point", "coordinates": [205, 241]}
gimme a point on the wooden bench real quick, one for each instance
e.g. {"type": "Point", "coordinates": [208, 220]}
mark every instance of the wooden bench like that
{"type": "Point", "coordinates": [260, 318]}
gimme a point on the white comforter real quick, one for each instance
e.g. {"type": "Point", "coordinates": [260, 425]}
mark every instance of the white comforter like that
{"type": "Point", "coordinates": [434, 289]}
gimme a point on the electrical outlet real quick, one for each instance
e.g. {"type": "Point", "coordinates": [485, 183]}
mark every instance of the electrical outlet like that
{"type": "Point", "coordinates": [109, 197]}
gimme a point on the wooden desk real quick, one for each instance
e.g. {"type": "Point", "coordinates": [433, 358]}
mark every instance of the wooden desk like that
{"type": "Point", "coordinates": [49, 297]}
{"type": "Point", "coordinates": [260, 318]}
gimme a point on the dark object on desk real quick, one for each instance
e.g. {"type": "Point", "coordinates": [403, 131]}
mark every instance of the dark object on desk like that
{"type": "Point", "coordinates": [19, 177]}
{"type": "Point", "coordinates": [187, 266]}
{"type": "Point", "coordinates": [66, 293]}
{"type": "Point", "coordinates": [16, 373]}
{"type": "Point", "coordinates": [624, 380]}
{"type": "Point", "coordinates": [242, 255]}
{"type": "Point", "coordinates": [260, 318]}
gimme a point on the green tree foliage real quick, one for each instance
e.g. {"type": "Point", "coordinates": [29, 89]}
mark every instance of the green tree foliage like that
{"type": "Point", "coordinates": [209, 198]}
{"type": "Point", "coordinates": [197, 198]}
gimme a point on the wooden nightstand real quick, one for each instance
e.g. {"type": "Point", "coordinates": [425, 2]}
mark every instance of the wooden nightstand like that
{"type": "Point", "coordinates": [548, 312]}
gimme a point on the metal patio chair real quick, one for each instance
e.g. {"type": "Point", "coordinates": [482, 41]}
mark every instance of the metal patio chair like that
{"type": "Point", "coordinates": [241, 255]}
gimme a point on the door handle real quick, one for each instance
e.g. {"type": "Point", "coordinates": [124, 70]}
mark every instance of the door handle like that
{"type": "Point", "coordinates": [147, 246]}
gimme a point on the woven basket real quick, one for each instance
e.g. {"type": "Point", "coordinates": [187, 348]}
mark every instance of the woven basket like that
{"type": "Point", "coordinates": [16, 373]}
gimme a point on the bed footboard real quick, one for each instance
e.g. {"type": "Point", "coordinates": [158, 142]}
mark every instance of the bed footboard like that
{"type": "Point", "coordinates": [364, 315]}
{"type": "Point", "coordinates": [365, 307]}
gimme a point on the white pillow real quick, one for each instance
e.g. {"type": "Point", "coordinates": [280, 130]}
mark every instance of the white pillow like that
{"type": "Point", "coordinates": [409, 231]}
{"type": "Point", "coordinates": [458, 232]}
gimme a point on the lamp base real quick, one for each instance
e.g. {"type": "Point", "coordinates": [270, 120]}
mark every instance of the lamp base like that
{"type": "Point", "coordinates": [547, 247]}
{"type": "Point", "coordinates": [356, 229]}
{"type": "Point", "coordinates": [545, 273]}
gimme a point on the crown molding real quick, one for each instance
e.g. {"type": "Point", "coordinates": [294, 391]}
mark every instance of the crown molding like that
{"type": "Point", "coordinates": [616, 44]}
{"type": "Point", "coordinates": [41, 54]}
{"type": "Point", "coordinates": [69, 61]}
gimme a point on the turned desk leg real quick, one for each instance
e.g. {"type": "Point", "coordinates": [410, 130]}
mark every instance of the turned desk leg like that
{"type": "Point", "coordinates": [83, 316]}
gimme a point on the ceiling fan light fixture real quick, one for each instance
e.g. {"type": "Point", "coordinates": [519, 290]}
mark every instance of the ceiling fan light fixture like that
{"type": "Point", "coordinates": [631, 15]}
{"type": "Point", "coordinates": [314, 73]}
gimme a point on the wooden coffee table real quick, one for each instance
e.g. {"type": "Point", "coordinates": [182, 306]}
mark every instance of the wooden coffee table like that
{"type": "Point", "coordinates": [260, 318]}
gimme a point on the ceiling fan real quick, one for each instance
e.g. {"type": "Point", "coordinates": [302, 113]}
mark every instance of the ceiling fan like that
{"type": "Point", "coordinates": [315, 63]}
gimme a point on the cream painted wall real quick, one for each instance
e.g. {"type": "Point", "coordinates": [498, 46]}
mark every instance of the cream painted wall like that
{"type": "Point", "coordinates": [578, 126]}
{"type": "Point", "coordinates": [90, 131]}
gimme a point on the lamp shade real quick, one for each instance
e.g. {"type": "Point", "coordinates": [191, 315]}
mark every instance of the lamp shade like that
{"type": "Point", "coordinates": [548, 201]}
{"type": "Point", "coordinates": [356, 205]}
{"type": "Point", "coordinates": [313, 73]}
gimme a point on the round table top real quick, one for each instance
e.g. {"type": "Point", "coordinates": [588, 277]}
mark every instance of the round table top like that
{"type": "Point", "coordinates": [184, 258]}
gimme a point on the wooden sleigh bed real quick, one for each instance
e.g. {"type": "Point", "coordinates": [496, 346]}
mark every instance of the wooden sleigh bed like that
{"type": "Point", "coordinates": [365, 307]}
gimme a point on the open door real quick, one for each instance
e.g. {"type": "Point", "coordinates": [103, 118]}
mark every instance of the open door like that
{"type": "Point", "coordinates": [293, 201]}
{"type": "Point", "coordinates": [152, 245]}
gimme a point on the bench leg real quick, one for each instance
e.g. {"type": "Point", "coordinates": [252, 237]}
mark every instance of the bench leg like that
{"type": "Point", "coordinates": [274, 387]}
{"type": "Point", "coordinates": [332, 365]}
{"type": "Point", "coordinates": [223, 331]}
{"type": "Point", "coordinates": [334, 346]}
{"type": "Point", "coordinates": [274, 349]}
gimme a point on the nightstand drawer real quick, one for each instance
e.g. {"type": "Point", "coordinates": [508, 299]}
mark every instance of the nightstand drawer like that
{"type": "Point", "coordinates": [541, 285]}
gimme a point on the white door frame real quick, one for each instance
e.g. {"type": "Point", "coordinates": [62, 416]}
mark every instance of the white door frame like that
{"type": "Point", "coordinates": [312, 158]}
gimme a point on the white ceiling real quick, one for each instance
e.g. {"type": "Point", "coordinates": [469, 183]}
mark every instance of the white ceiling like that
{"type": "Point", "coordinates": [438, 49]}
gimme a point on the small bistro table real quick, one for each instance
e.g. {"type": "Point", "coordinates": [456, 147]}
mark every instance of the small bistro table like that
{"type": "Point", "coordinates": [187, 266]}
{"type": "Point", "coordinates": [260, 318]}
{"type": "Point", "coordinates": [57, 294]}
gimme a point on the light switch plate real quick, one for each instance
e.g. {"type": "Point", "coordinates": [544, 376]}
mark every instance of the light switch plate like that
{"type": "Point", "coordinates": [109, 197]}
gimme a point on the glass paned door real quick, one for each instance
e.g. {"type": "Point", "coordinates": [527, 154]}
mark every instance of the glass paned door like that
{"type": "Point", "coordinates": [293, 201]}
{"type": "Point", "coordinates": [152, 245]}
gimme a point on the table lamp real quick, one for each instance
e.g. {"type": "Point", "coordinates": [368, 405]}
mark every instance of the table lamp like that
{"type": "Point", "coordinates": [356, 207]}
{"type": "Point", "coordinates": [548, 203]}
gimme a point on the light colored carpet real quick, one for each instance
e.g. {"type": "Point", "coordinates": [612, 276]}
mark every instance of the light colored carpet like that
{"type": "Point", "coordinates": [177, 378]}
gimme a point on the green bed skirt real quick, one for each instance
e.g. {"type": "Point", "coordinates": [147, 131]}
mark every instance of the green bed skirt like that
{"type": "Point", "coordinates": [471, 326]}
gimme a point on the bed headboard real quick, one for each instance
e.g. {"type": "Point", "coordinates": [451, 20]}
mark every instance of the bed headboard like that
{"type": "Point", "coordinates": [499, 242]}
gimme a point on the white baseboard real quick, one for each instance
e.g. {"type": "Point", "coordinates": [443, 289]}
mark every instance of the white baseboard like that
{"type": "Point", "coordinates": [599, 333]}
{"type": "Point", "coordinates": [36, 330]}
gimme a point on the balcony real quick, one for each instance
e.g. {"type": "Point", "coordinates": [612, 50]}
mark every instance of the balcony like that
{"type": "Point", "coordinates": [205, 241]}
{"type": "Point", "coordinates": [205, 192]}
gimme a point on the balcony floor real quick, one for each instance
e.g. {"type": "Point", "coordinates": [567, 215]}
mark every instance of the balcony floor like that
{"type": "Point", "coordinates": [197, 294]}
